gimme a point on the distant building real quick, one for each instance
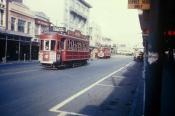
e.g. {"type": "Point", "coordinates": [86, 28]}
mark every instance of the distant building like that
{"type": "Point", "coordinates": [42, 24]}
{"type": "Point", "coordinates": [95, 35]}
{"type": "Point", "coordinates": [74, 15]}
{"type": "Point", "coordinates": [105, 41]}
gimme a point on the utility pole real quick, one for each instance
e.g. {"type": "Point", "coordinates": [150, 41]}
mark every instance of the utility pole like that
{"type": "Point", "coordinates": [154, 61]}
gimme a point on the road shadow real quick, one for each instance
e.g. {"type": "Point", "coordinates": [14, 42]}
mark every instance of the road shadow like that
{"type": "Point", "coordinates": [63, 67]}
{"type": "Point", "coordinates": [121, 101]}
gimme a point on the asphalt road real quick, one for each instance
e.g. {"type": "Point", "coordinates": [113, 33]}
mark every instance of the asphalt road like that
{"type": "Point", "coordinates": [30, 90]}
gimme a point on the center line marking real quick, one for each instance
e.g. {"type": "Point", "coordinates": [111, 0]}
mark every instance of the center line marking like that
{"type": "Point", "coordinates": [58, 106]}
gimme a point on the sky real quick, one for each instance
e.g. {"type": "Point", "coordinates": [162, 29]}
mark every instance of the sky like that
{"type": "Point", "coordinates": [116, 21]}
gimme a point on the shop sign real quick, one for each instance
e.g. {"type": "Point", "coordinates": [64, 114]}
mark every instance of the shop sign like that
{"type": "Point", "coordinates": [139, 4]}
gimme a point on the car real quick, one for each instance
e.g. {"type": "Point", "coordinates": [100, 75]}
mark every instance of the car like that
{"type": "Point", "coordinates": [139, 54]}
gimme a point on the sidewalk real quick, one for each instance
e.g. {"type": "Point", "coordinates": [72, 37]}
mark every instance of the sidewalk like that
{"type": "Point", "coordinates": [18, 62]}
{"type": "Point", "coordinates": [119, 95]}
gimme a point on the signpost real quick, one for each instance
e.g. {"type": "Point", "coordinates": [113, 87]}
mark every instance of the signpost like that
{"type": "Point", "coordinates": [139, 4]}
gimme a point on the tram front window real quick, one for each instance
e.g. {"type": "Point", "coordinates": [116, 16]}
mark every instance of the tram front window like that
{"type": "Point", "coordinates": [47, 45]}
{"type": "Point", "coordinates": [53, 43]}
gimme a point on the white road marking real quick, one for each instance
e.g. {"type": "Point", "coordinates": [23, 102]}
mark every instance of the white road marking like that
{"type": "Point", "coordinates": [64, 113]}
{"type": "Point", "coordinates": [115, 76]}
{"type": "Point", "coordinates": [58, 106]}
{"type": "Point", "coordinates": [5, 74]}
{"type": "Point", "coordinates": [105, 85]}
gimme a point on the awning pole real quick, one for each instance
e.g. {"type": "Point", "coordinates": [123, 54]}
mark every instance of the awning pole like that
{"type": "Point", "coordinates": [30, 51]}
{"type": "Point", "coordinates": [5, 55]}
{"type": "Point", "coordinates": [19, 49]}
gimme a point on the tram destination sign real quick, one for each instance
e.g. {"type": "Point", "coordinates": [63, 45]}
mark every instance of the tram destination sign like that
{"type": "Point", "coordinates": [139, 4]}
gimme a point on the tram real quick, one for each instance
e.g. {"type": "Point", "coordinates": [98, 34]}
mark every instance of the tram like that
{"type": "Point", "coordinates": [104, 52]}
{"type": "Point", "coordinates": [62, 49]}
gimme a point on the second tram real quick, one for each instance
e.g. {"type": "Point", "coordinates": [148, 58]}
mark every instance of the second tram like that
{"type": "Point", "coordinates": [104, 52]}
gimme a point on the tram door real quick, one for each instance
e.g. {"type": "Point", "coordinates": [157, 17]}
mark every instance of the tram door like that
{"type": "Point", "coordinates": [60, 48]}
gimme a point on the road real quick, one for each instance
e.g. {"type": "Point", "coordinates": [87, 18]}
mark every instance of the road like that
{"type": "Point", "coordinates": [30, 90]}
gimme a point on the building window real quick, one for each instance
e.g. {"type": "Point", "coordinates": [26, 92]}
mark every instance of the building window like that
{"type": "Point", "coordinates": [1, 17]}
{"type": "Point", "coordinates": [13, 24]}
{"type": "Point", "coordinates": [36, 29]}
{"type": "Point", "coordinates": [21, 25]}
{"type": "Point", "coordinates": [28, 27]}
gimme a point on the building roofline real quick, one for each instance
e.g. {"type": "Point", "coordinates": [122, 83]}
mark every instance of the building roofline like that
{"type": "Point", "coordinates": [85, 3]}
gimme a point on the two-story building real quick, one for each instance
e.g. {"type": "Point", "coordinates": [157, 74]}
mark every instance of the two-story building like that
{"type": "Point", "coordinates": [19, 30]}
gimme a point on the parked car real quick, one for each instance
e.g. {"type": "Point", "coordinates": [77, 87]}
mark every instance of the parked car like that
{"type": "Point", "coordinates": [138, 54]}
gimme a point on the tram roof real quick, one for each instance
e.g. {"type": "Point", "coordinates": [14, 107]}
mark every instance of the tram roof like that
{"type": "Point", "coordinates": [64, 35]}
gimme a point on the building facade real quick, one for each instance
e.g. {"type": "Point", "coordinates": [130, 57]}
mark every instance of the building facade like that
{"type": "Point", "coordinates": [2, 14]}
{"type": "Point", "coordinates": [74, 15]}
{"type": "Point", "coordinates": [42, 24]}
{"type": "Point", "coordinates": [15, 40]}
{"type": "Point", "coordinates": [2, 27]}
{"type": "Point", "coordinates": [20, 19]}
{"type": "Point", "coordinates": [105, 41]}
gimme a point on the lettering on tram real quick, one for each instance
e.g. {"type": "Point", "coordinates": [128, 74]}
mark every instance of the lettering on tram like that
{"type": "Point", "coordinates": [68, 49]}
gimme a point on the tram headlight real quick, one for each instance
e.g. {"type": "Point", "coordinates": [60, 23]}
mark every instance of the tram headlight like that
{"type": "Point", "coordinates": [46, 56]}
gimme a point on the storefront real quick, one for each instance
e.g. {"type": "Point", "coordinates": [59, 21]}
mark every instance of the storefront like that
{"type": "Point", "coordinates": [17, 47]}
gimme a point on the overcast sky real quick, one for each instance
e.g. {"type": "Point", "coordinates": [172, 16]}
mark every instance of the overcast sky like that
{"type": "Point", "coordinates": [115, 19]}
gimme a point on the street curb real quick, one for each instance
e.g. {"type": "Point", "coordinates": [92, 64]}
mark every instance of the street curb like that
{"type": "Point", "coordinates": [18, 62]}
{"type": "Point", "coordinates": [136, 99]}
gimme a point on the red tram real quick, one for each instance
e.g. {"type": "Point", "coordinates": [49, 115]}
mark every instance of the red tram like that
{"type": "Point", "coordinates": [104, 52]}
{"type": "Point", "coordinates": [56, 49]}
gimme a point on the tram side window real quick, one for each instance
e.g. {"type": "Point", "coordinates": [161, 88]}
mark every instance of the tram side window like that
{"type": "Point", "coordinates": [41, 45]}
{"type": "Point", "coordinates": [62, 44]}
{"type": "Point", "coordinates": [73, 45]}
{"type": "Point", "coordinates": [58, 45]}
{"type": "Point", "coordinates": [53, 43]}
{"type": "Point", "coordinates": [68, 46]}
{"type": "Point", "coordinates": [47, 45]}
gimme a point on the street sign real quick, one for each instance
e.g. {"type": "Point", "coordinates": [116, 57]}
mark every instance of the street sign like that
{"type": "Point", "coordinates": [139, 4]}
